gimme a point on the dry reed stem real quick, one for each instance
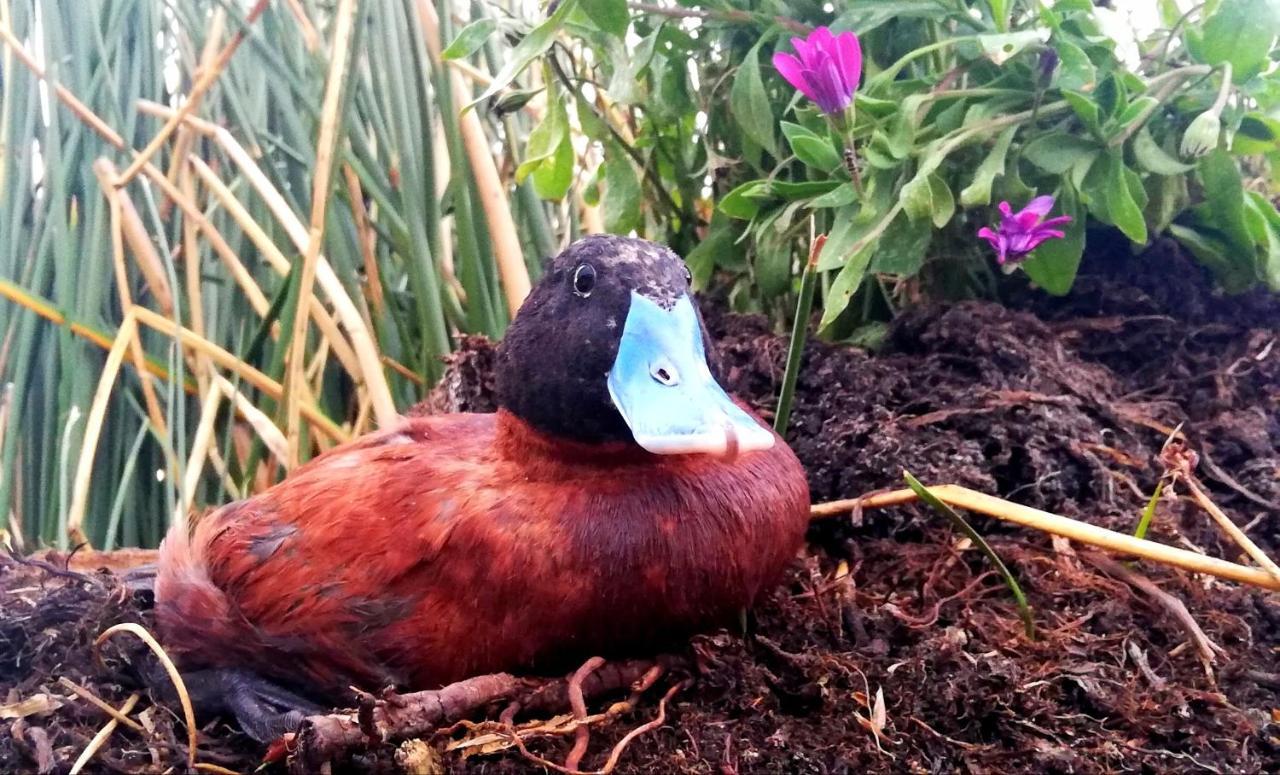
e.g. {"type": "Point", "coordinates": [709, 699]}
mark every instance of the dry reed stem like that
{"type": "Point", "coordinates": [140, 244]}
{"type": "Point", "coordinates": [276, 259]}
{"type": "Point", "coordinates": [367, 238]}
{"type": "Point", "coordinates": [103, 735]}
{"type": "Point", "coordinates": [100, 704]}
{"type": "Point", "coordinates": [185, 137]}
{"type": "Point", "coordinates": [226, 360]}
{"type": "Point", "coordinates": [310, 37]}
{"type": "Point", "coordinates": [262, 425]}
{"type": "Point", "coordinates": [188, 712]}
{"type": "Point", "coordinates": [191, 267]}
{"type": "Point", "coordinates": [345, 309]}
{"type": "Point", "coordinates": [326, 145]}
{"type": "Point", "coordinates": [105, 172]}
{"type": "Point", "coordinates": [1075, 530]}
{"type": "Point", "coordinates": [1229, 527]}
{"type": "Point", "coordinates": [200, 444]}
{"type": "Point", "coordinates": [207, 76]}
{"type": "Point", "coordinates": [93, 425]}
{"type": "Point", "coordinates": [490, 189]}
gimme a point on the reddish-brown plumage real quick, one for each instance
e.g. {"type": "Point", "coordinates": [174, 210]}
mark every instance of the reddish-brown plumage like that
{"type": "Point", "coordinates": [462, 544]}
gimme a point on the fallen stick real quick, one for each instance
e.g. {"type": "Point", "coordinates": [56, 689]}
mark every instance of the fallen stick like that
{"type": "Point", "coordinates": [328, 737]}
{"type": "Point", "coordinates": [1100, 537]}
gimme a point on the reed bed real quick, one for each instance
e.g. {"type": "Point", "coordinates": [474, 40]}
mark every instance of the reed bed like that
{"type": "Point", "coordinates": [231, 236]}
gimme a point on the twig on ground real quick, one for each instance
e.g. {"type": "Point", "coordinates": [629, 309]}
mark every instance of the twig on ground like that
{"type": "Point", "coordinates": [188, 712]}
{"type": "Point", "coordinates": [1180, 461]}
{"type": "Point", "coordinates": [396, 716]}
{"type": "Point", "coordinates": [1207, 648]}
{"type": "Point", "coordinates": [100, 739]}
{"type": "Point", "coordinates": [582, 735]}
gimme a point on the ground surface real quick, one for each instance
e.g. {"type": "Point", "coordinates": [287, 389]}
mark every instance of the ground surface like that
{"type": "Point", "coordinates": [1058, 404]}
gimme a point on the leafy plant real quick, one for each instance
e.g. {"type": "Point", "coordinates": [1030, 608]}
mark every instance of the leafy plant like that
{"type": "Point", "coordinates": [963, 105]}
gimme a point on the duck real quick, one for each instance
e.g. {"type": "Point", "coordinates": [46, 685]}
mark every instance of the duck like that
{"type": "Point", "coordinates": [617, 501]}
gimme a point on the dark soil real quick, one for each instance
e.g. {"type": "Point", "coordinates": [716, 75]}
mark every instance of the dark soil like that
{"type": "Point", "coordinates": [1062, 404]}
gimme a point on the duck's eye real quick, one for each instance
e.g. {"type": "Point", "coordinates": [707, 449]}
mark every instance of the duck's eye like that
{"type": "Point", "coordinates": [688, 276]}
{"type": "Point", "coordinates": [584, 280]}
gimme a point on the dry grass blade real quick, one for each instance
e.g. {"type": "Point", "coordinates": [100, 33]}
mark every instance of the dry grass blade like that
{"type": "Point", "coordinates": [207, 77]}
{"type": "Point", "coordinates": [188, 712]}
{"type": "Point", "coordinates": [490, 187]}
{"type": "Point", "coordinates": [100, 704]}
{"type": "Point", "coordinates": [326, 146]}
{"type": "Point", "coordinates": [345, 309]}
{"type": "Point", "coordinates": [100, 739]}
{"type": "Point", "coordinates": [1110, 540]}
{"type": "Point", "coordinates": [93, 426]}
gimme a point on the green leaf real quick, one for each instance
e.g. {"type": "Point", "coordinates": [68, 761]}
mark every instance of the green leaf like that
{"type": "Point", "coordinates": [1144, 521]}
{"type": "Point", "coordinates": [529, 48]}
{"type": "Point", "coordinates": [846, 284]}
{"type": "Point", "coordinates": [627, 86]}
{"type": "Point", "coordinates": [850, 226]}
{"type": "Point", "coordinates": [1151, 157]}
{"type": "Point", "coordinates": [545, 139]}
{"type": "Point", "coordinates": [1213, 250]}
{"type": "Point", "coordinates": [842, 195]}
{"type": "Point", "coordinates": [552, 178]}
{"type": "Point", "coordinates": [1024, 609]}
{"type": "Point", "coordinates": [1257, 135]}
{"type": "Point", "coordinates": [944, 203]}
{"type": "Point", "coordinates": [772, 264]}
{"type": "Point", "coordinates": [1224, 198]}
{"type": "Point", "coordinates": [1058, 152]}
{"type": "Point", "coordinates": [809, 148]}
{"type": "Point", "coordinates": [917, 197]}
{"type": "Point", "coordinates": [720, 248]}
{"type": "Point", "coordinates": [750, 104]}
{"type": "Point", "coordinates": [1168, 198]}
{"type": "Point", "coordinates": [1241, 32]}
{"type": "Point", "coordinates": [1135, 111]}
{"type": "Point", "coordinates": [622, 195]}
{"type": "Point", "coordinates": [744, 201]}
{"type": "Point", "coordinates": [1002, 47]}
{"type": "Point", "coordinates": [1075, 71]}
{"type": "Point", "coordinates": [469, 41]}
{"type": "Point", "coordinates": [610, 16]}
{"type": "Point", "coordinates": [1122, 209]}
{"type": "Point", "coordinates": [805, 188]}
{"type": "Point", "coordinates": [1053, 265]}
{"type": "Point", "coordinates": [1085, 109]}
{"type": "Point", "coordinates": [1267, 235]}
{"type": "Point", "coordinates": [902, 247]}
{"type": "Point", "coordinates": [978, 192]}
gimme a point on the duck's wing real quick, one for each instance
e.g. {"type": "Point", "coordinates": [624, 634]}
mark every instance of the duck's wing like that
{"type": "Point", "coordinates": [303, 577]}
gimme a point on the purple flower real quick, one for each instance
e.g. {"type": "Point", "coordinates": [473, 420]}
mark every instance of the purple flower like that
{"type": "Point", "coordinates": [825, 68]}
{"type": "Point", "coordinates": [1020, 233]}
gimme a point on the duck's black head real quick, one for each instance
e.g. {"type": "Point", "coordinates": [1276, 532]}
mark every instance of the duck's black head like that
{"type": "Point", "coordinates": [609, 346]}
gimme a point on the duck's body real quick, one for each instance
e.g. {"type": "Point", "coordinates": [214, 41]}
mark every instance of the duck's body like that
{"type": "Point", "coordinates": [464, 544]}
{"type": "Point", "coordinates": [620, 499]}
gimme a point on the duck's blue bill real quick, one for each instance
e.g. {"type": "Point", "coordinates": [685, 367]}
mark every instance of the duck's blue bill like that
{"type": "Point", "coordinates": [665, 392]}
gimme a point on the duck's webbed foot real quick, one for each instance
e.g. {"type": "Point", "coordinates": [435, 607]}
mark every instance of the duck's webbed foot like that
{"type": "Point", "coordinates": [264, 710]}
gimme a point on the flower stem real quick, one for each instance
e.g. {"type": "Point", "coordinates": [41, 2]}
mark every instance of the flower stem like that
{"type": "Point", "coordinates": [799, 331]}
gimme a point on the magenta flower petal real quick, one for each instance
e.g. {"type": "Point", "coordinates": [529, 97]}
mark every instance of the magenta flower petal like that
{"type": "Point", "coordinates": [825, 68]}
{"type": "Point", "coordinates": [850, 55]}
{"type": "Point", "coordinates": [1022, 232]}
{"type": "Point", "coordinates": [1040, 206]}
{"type": "Point", "coordinates": [792, 70]}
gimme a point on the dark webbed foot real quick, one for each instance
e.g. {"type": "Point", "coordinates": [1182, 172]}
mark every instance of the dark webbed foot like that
{"type": "Point", "coordinates": [264, 710]}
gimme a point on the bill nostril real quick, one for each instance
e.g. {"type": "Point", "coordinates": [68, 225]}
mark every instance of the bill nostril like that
{"type": "Point", "coordinates": [665, 374]}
